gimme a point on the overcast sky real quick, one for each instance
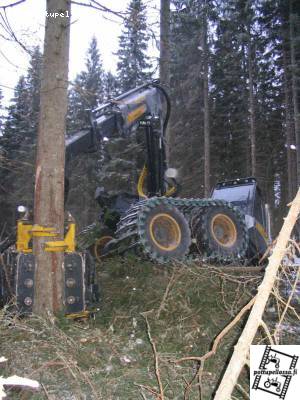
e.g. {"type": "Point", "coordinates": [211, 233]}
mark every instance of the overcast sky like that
{"type": "Point", "coordinates": [28, 23]}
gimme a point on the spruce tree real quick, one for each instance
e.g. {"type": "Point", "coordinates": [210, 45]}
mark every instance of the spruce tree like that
{"type": "Point", "coordinates": [110, 86]}
{"type": "Point", "coordinates": [133, 66]}
{"type": "Point", "coordinates": [87, 91]}
{"type": "Point", "coordinates": [16, 131]}
{"type": "Point", "coordinates": [187, 92]}
{"type": "Point", "coordinates": [19, 138]}
{"type": "Point", "coordinates": [2, 119]}
{"type": "Point", "coordinates": [17, 126]}
{"type": "Point", "coordinates": [230, 94]}
{"type": "Point", "coordinates": [34, 82]}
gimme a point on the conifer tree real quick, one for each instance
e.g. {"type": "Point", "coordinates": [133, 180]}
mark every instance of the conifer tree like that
{"type": "Point", "coordinates": [87, 91]}
{"type": "Point", "coordinates": [133, 66]}
{"type": "Point", "coordinates": [17, 125]}
{"type": "Point", "coordinates": [15, 131]}
{"type": "Point", "coordinates": [1, 114]}
{"type": "Point", "coordinates": [230, 93]}
{"type": "Point", "coordinates": [110, 86]}
{"type": "Point", "coordinates": [19, 138]}
{"type": "Point", "coordinates": [34, 82]}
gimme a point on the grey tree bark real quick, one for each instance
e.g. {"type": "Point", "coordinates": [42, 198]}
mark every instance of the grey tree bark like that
{"type": "Point", "coordinates": [295, 88]}
{"type": "Point", "coordinates": [288, 129]}
{"type": "Point", "coordinates": [251, 106]}
{"type": "Point", "coordinates": [206, 125]}
{"type": "Point", "coordinates": [164, 57]}
{"type": "Point", "coordinates": [49, 181]}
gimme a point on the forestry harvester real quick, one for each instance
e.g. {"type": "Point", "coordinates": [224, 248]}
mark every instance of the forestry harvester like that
{"type": "Point", "coordinates": [232, 225]}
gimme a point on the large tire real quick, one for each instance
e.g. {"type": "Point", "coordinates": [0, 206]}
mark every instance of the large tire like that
{"type": "Point", "coordinates": [163, 232]}
{"type": "Point", "coordinates": [221, 233]}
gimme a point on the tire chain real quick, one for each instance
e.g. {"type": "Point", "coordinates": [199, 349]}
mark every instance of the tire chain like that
{"type": "Point", "coordinates": [130, 229]}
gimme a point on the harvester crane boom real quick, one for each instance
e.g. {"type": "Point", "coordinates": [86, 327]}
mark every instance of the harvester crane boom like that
{"type": "Point", "coordinates": [143, 105]}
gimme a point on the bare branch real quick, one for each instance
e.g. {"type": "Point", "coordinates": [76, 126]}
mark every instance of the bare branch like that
{"type": "Point", "coordinates": [97, 6]}
{"type": "Point", "coordinates": [220, 335]}
{"type": "Point", "coordinates": [8, 29]}
{"type": "Point", "coordinates": [16, 3]}
{"type": "Point", "coordinates": [157, 372]}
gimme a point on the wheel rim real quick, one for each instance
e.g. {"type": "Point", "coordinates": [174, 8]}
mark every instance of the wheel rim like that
{"type": "Point", "coordinates": [99, 246]}
{"type": "Point", "coordinates": [223, 230]}
{"type": "Point", "coordinates": [165, 232]}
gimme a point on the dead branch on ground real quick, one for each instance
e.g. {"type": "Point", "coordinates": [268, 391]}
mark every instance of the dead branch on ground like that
{"type": "Point", "coordinates": [175, 276]}
{"type": "Point", "coordinates": [219, 337]}
{"type": "Point", "coordinates": [156, 361]}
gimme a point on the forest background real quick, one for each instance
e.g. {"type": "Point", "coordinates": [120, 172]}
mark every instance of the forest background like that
{"type": "Point", "coordinates": [234, 85]}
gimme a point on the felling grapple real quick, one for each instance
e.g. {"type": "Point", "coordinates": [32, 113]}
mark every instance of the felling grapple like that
{"type": "Point", "coordinates": [17, 270]}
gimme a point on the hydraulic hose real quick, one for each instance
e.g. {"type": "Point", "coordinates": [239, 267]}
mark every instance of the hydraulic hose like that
{"type": "Point", "coordinates": [168, 101]}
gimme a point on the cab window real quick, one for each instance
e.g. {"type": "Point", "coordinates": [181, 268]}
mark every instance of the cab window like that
{"type": "Point", "coordinates": [259, 213]}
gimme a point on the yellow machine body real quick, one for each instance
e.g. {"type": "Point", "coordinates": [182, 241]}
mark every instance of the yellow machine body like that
{"type": "Point", "coordinates": [26, 231]}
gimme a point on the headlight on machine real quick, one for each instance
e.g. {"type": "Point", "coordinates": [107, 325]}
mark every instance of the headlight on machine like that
{"type": "Point", "coordinates": [171, 173]}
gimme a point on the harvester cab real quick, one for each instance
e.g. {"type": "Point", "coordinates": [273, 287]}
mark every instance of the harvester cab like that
{"type": "Point", "coordinates": [245, 195]}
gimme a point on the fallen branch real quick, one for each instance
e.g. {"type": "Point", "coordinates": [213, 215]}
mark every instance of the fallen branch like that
{"type": "Point", "coordinates": [171, 283]}
{"type": "Point", "coordinates": [238, 358]}
{"type": "Point", "coordinates": [157, 372]}
{"type": "Point", "coordinates": [287, 305]}
{"type": "Point", "coordinates": [188, 385]}
{"type": "Point", "coordinates": [148, 388]}
{"type": "Point", "coordinates": [219, 337]}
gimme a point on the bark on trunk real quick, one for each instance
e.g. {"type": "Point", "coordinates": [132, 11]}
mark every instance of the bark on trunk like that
{"type": "Point", "coordinates": [49, 181]}
{"type": "Point", "coordinates": [164, 57]}
{"type": "Point", "coordinates": [288, 128]}
{"type": "Point", "coordinates": [241, 349]}
{"type": "Point", "coordinates": [295, 89]}
{"type": "Point", "coordinates": [206, 105]}
{"type": "Point", "coordinates": [251, 107]}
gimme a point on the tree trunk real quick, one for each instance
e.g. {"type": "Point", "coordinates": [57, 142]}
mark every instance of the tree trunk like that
{"type": "Point", "coordinates": [288, 127]}
{"type": "Point", "coordinates": [295, 89]}
{"type": "Point", "coordinates": [49, 181]}
{"type": "Point", "coordinates": [251, 107]}
{"type": "Point", "coordinates": [241, 349]}
{"type": "Point", "coordinates": [205, 103]}
{"type": "Point", "coordinates": [164, 57]}
{"type": "Point", "coordinates": [245, 96]}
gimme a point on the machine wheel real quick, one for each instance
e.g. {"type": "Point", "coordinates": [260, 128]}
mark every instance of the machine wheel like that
{"type": "Point", "coordinates": [103, 235]}
{"type": "Point", "coordinates": [221, 233]}
{"type": "Point", "coordinates": [99, 245]}
{"type": "Point", "coordinates": [164, 232]}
